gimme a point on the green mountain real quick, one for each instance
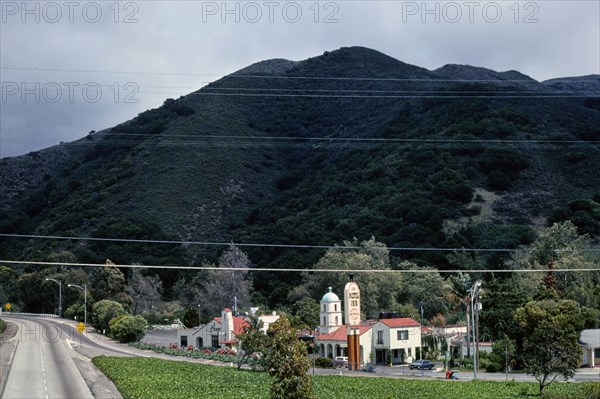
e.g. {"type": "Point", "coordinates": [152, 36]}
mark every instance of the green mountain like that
{"type": "Point", "coordinates": [349, 144]}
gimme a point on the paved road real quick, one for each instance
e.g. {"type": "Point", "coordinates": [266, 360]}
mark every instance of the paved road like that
{"type": "Point", "coordinates": [43, 365]}
{"type": "Point", "coordinates": [580, 375]}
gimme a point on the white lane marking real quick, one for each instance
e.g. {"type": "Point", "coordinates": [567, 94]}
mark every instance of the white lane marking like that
{"type": "Point", "coordinates": [44, 372]}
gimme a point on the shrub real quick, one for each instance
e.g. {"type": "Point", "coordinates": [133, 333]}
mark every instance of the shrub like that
{"type": "Point", "coordinates": [492, 368]}
{"type": "Point", "coordinates": [499, 181]}
{"type": "Point", "coordinates": [127, 328]}
{"type": "Point", "coordinates": [324, 362]}
{"type": "Point", "coordinates": [2, 326]}
{"type": "Point", "coordinates": [103, 312]}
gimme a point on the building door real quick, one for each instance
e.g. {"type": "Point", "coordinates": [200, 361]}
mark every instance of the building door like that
{"type": "Point", "coordinates": [380, 356]}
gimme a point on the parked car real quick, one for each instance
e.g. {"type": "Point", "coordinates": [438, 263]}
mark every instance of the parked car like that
{"type": "Point", "coordinates": [421, 364]}
{"type": "Point", "coordinates": [340, 361]}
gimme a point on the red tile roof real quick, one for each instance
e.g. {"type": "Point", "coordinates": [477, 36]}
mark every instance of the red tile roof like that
{"type": "Point", "coordinates": [341, 334]}
{"type": "Point", "coordinates": [400, 322]}
{"type": "Point", "coordinates": [239, 322]}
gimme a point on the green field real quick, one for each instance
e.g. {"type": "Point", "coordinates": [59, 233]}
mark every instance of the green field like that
{"type": "Point", "coordinates": [155, 378]}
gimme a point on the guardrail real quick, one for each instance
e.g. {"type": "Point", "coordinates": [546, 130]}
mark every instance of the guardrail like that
{"type": "Point", "coordinates": [27, 314]}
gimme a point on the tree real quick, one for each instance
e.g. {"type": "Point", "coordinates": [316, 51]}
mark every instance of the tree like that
{"type": "Point", "coordinates": [108, 282]}
{"type": "Point", "coordinates": [557, 248]}
{"type": "Point", "coordinates": [287, 360]}
{"type": "Point", "coordinates": [128, 328]}
{"type": "Point", "coordinates": [191, 318]}
{"type": "Point", "coordinates": [500, 300]}
{"type": "Point", "coordinates": [306, 313]}
{"type": "Point", "coordinates": [103, 312]}
{"type": "Point", "coordinates": [551, 330]}
{"type": "Point", "coordinates": [8, 279]}
{"type": "Point", "coordinates": [503, 353]}
{"type": "Point", "coordinates": [428, 291]}
{"type": "Point", "coordinates": [227, 284]}
{"type": "Point", "coordinates": [252, 341]}
{"type": "Point", "coordinates": [215, 290]}
{"type": "Point", "coordinates": [144, 291]}
{"type": "Point", "coordinates": [378, 290]}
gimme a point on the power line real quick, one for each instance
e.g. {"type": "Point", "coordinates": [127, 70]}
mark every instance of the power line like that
{"type": "Point", "coordinates": [356, 139]}
{"type": "Point", "coordinates": [286, 77]}
{"type": "Point", "coordinates": [301, 246]}
{"type": "Point", "coordinates": [292, 90]}
{"type": "Point", "coordinates": [295, 270]}
{"type": "Point", "coordinates": [558, 95]}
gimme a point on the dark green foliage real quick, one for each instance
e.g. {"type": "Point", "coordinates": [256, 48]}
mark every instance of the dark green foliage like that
{"type": "Point", "coordinates": [492, 368]}
{"type": "Point", "coordinates": [503, 353]}
{"type": "Point", "coordinates": [127, 328]}
{"type": "Point", "coordinates": [287, 361]}
{"type": "Point", "coordinates": [253, 342]}
{"type": "Point", "coordinates": [191, 318]}
{"type": "Point", "coordinates": [499, 181]}
{"type": "Point", "coordinates": [324, 362]}
{"type": "Point", "coordinates": [306, 170]}
{"type": "Point", "coordinates": [103, 312]}
{"type": "Point", "coordinates": [2, 326]}
{"type": "Point", "coordinates": [499, 301]}
{"type": "Point", "coordinates": [584, 213]}
{"type": "Point", "coordinates": [551, 329]}
{"type": "Point", "coordinates": [306, 313]}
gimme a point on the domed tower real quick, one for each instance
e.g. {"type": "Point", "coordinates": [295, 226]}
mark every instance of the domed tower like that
{"type": "Point", "coordinates": [330, 312]}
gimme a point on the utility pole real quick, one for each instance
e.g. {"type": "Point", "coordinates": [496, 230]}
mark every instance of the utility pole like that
{"type": "Point", "coordinates": [59, 295]}
{"type": "Point", "coordinates": [474, 293]}
{"type": "Point", "coordinates": [84, 289]}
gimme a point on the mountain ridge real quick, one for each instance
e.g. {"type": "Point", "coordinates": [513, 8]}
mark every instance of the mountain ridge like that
{"type": "Point", "coordinates": [349, 144]}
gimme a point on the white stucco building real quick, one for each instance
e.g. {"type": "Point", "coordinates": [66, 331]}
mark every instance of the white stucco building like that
{"type": "Point", "coordinates": [398, 338]}
{"type": "Point", "coordinates": [220, 332]}
{"type": "Point", "coordinates": [589, 341]}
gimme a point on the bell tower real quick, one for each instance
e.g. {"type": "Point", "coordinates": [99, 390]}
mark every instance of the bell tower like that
{"type": "Point", "coordinates": [330, 313]}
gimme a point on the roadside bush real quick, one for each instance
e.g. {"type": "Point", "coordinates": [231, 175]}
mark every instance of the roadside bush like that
{"type": "Point", "coordinates": [492, 368]}
{"type": "Point", "coordinates": [2, 326]}
{"type": "Point", "coordinates": [324, 362]}
{"type": "Point", "coordinates": [103, 312]}
{"type": "Point", "coordinates": [127, 328]}
{"type": "Point", "coordinates": [74, 311]}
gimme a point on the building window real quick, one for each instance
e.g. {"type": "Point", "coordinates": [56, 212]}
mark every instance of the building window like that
{"type": "Point", "coordinates": [335, 308]}
{"type": "Point", "coordinates": [183, 341]}
{"type": "Point", "coordinates": [215, 341]}
{"type": "Point", "coordinates": [324, 309]}
{"type": "Point", "coordinates": [324, 321]}
{"type": "Point", "coordinates": [380, 337]}
{"type": "Point", "coordinates": [402, 335]}
{"type": "Point", "coordinates": [336, 321]}
{"type": "Point", "coordinates": [409, 352]}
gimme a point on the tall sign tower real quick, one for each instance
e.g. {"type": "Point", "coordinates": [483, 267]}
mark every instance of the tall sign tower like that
{"type": "Point", "coordinates": [352, 316]}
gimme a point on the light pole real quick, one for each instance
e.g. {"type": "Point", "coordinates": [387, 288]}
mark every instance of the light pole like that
{"type": "Point", "coordinates": [84, 289]}
{"type": "Point", "coordinates": [474, 292]}
{"type": "Point", "coordinates": [59, 295]}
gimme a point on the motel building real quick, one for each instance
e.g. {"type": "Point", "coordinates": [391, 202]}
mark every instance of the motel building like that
{"type": "Point", "coordinates": [220, 332]}
{"type": "Point", "coordinates": [390, 336]}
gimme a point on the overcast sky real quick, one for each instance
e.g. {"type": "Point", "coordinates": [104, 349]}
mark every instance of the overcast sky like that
{"type": "Point", "coordinates": [69, 67]}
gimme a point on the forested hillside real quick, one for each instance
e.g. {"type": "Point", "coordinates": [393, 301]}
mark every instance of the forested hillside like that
{"type": "Point", "coordinates": [345, 146]}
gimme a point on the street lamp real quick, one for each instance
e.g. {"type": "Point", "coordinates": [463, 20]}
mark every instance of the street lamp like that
{"type": "Point", "coordinates": [59, 295]}
{"type": "Point", "coordinates": [84, 289]}
{"type": "Point", "coordinates": [474, 292]}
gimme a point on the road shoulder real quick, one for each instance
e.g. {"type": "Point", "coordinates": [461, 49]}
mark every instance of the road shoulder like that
{"type": "Point", "coordinates": [8, 346]}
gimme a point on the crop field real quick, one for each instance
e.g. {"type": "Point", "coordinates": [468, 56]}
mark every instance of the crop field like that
{"type": "Point", "coordinates": [141, 378]}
